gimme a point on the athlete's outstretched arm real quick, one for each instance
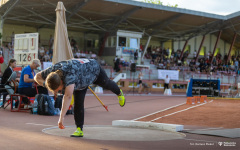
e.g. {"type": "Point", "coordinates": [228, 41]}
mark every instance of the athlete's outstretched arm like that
{"type": "Point", "coordinates": [65, 103]}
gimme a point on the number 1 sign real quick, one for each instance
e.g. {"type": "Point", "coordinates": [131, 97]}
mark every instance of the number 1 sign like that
{"type": "Point", "coordinates": [26, 48]}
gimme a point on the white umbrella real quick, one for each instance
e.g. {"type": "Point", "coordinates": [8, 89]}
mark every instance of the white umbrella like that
{"type": "Point", "coordinates": [61, 49]}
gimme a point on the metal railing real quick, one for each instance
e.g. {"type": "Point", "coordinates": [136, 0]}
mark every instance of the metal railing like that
{"type": "Point", "coordinates": [184, 75]}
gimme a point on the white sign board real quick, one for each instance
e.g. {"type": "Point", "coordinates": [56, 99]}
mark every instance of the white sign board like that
{"type": "Point", "coordinates": [239, 85]}
{"type": "Point", "coordinates": [172, 74]}
{"type": "Point", "coordinates": [46, 65]}
{"type": "Point", "coordinates": [25, 48]}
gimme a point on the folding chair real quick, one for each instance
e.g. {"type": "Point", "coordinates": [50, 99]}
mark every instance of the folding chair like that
{"type": "Point", "coordinates": [19, 98]}
{"type": "Point", "coordinates": [9, 89]}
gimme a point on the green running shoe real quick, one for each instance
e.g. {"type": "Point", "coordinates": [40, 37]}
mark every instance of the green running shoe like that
{"type": "Point", "coordinates": [121, 99]}
{"type": "Point", "coordinates": [77, 133]}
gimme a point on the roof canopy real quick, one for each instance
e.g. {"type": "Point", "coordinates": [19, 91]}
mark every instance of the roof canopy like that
{"type": "Point", "coordinates": [97, 16]}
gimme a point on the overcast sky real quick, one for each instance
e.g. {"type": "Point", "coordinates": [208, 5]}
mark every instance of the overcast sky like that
{"type": "Point", "coordinates": [220, 7]}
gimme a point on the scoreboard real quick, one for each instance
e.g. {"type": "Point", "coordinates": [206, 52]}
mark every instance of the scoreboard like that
{"type": "Point", "coordinates": [25, 48]}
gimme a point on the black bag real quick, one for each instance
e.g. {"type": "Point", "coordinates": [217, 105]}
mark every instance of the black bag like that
{"type": "Point", "coordinates": [45, 106]}
{"type": "Point", "coordinates": [58, 102]}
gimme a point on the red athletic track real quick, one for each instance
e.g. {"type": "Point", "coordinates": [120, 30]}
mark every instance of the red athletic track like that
{"type": "Point", "coordinates": [16, 134]}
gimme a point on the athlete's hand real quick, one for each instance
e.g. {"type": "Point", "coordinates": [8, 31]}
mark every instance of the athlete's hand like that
{"type": "Point", "coordinates": [60, 124]}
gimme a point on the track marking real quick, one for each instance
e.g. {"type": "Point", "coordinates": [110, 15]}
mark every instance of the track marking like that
{"type": "Point", "coordinates": [117, 103]}
{"type": "Point", "coordinates": [40, 124]}
{"type": "Point", "coordinates": [216, 98]}
{"type": "Point", "coordinates": [179, 111]}
{"type": "Point", "coordinates": [159, 111]}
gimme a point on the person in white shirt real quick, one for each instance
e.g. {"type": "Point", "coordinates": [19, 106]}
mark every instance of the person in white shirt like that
{"type": "Point", "coordinates": [122, 60]}
{"type": "Point", "coordinates": [236, 65]}
{"type": "Point", "coordinates": [195, 53]}
{"type": "Point", "coordinates": [208, 55]}
{"type": "Point", "coordinates": [166, 82]}
{"type": "Point", "coordinates": [140, 77]}
{"type": "Point", "coordinates": [46, 58]}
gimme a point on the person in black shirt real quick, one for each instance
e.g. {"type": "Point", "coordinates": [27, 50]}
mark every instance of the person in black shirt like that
{"type": "Point", "coordinates": [7, 73]}
{"type": "Point", "coordinates": [74, 76]}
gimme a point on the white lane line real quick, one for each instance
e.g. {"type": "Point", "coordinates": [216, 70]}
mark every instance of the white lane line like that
{"type": "Point", "coordinates": [159, 111]}
{"type": "Point", "coordinates": [40, 124]}
{"type": "Point", "coordinates": [179, 111]}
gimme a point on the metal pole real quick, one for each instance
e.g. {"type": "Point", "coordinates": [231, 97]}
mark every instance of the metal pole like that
{"type": "Point", "coordinates": [98, 98]}
{"type": "Point", "coordinates": [230, 49]}
{"type": "Point", "coordinates": [9, 9]}
{"type": "Point", "coordinates": [146, 46]}
{"type": "Point", "coordinates": [219, 35]}
{"type": "Point", "coordinates": [183, 49]}
{"type": "Point", "coordinates": [199, 49]}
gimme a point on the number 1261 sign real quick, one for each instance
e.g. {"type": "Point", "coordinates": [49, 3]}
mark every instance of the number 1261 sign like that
{"type": "Point", "coordinates": [26, 57]}
{"type": "Point", "coordinates": [25, 48]}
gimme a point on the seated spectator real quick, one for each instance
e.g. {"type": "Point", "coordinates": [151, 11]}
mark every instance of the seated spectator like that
{"type": "Point", "coordinates": [93, 56]}
{"type": "Point", "coordinates": [220, 68]}
{"type": "Point", "coordinates": [179, 62]}
{"type": "Point", "coordinates": [41, 53]}
{"type": "Point", "coordinates": [78, 54]}
{"type": "Point", "coordinates": [102, 62]}
{"type": "Point", "coordinates": [26, 86]}
{"type": "Point", "coordinates": [46, 58]}
{"type": "Point", "coordinates": [192, 65]}
{"type": "Point", "coordinates": [157, 60]}
{"type": "Point", "coordinates": [46, 51]}
{"type": "Point", "coordinates": [195, 54]}
{"type": "Point", "coordinates": [238, 72]}
{"type": "Point", "coordinates": [51, 56]}
{"type": "Point", "coordinates": [122, 61]}
{"type": "Point", "coordinates": [1, 58]}
{"type": "Point", "coordinates": [7, 73]}
{"type": "Point", "coordinates": [83, 55]}
{"type": "Point", "coordinates": [168, 66]}
{"type": "Point", "coordinates": [153, 56]}
{"type": "Point", "coordinates": [72, 49]}
{"type": "Point", "coordinates": [171, 57]}
{"type": "Point", "coordinates": [126, 64]}
{"type": "Point", "coordinates": [75, 54]}
{"type": "Point", "coordinates": [161, 65]}
{"type": "Point", "coordinates": [148, 56]}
